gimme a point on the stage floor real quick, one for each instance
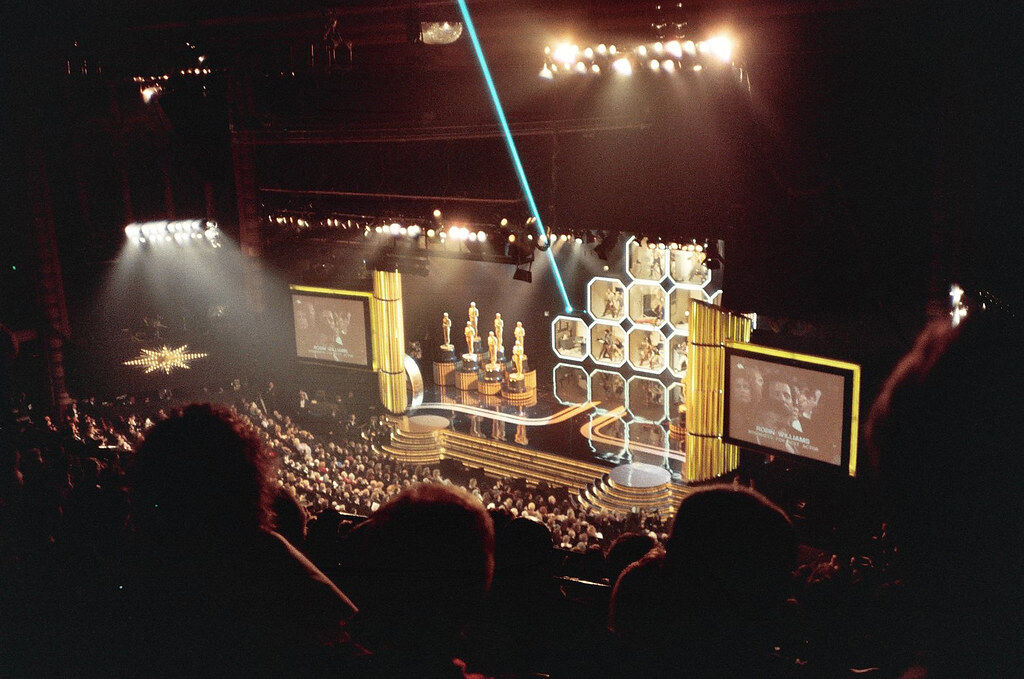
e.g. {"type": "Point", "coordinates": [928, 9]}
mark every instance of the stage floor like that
{"type": "Point", "coordinates": [582, 431]}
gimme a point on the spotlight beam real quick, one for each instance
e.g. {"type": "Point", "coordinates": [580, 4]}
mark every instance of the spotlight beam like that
{"type": "Point", "coordinates": [513, 152]}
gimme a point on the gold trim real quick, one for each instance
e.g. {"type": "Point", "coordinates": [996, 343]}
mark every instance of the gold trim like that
{"type": "Point", "coordinates": [374, 314]}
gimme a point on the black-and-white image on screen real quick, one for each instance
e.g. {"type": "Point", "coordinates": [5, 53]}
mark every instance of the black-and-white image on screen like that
{"type": "Point", "coordinates": [331, 328]}
{"type": "Point", "coordinates": [786, 408]}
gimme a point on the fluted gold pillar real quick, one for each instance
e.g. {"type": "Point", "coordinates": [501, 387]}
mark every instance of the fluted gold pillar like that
{"type": "Point", "coordinates": [707, 456]}
{"type": "Point", "coordinates": [388, 330]}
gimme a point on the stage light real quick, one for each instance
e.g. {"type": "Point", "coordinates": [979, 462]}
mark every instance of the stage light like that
{"type": "Point", "coordinates": [511, 238]}
{"type": "Point", "coordinates": [581, 67]}
{"type": "Point", "coordinates": [431, 233]}
{"type": "Point", "coordinates": [546, 73]}
{"type": "Point", "coordinates": [378, 229]}
{"type": "Point", "coordinates": [589, 53]}
{"type": "Point", "coordinates": [612, 50]}
{"type": "Point", "coordinates": [504, 221]}
{"type": "Point", "coordinates": [668, 65]}
{"type": "Point", "coordinates": [604, 268]}
{"type": "Point", "coordinates": [622, 66]}
{"type": "Point", "coordinates": [564, 237]}
{"type": "Point", "coordinates": [414, 230]}
{"type": "Point", "coordinates": [655, 64]}
{"type": "Point", "coordinates": [595, 69]}
{"type": "Point", "coordinates": [674, 48]}
{"type": "Point", "coordinates": [659, 48]}
{"type": "Point", "coordinates": [149, 93]}
{"type": "Point", "coordinates": [690, 48]}
{"type": "Point", "coordinates": [472, 236]}
{"type": "Point", "coordinates": [565, 53]}
{"type": "Point", "coordinates": [697, 68]}
{"type": "Point", "coordinates": [642, 50]}
{"type": "Point", "coordinates": [529, 236]}
{"type": "Point", "coordinates": [481, 236]}
{"type": "Point", "coordinates": [440, 32]}
{"type": "Point", "coordinates": [720, 46]}
{"type": "Point", "coordinates": [437, 214]}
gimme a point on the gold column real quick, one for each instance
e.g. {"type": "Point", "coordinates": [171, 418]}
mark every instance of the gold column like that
{"type": "Point", "coordinates": [388, 330]}
{"type": "Point", "coordinates": [707, 456]}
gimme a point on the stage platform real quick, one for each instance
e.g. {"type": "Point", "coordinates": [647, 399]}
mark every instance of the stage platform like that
{"type": "Point", "coordinates": [608, 457]}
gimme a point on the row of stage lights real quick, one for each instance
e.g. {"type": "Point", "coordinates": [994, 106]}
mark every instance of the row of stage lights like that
{"type": "Point", "coordinates": [377, 227]}
{"type": "Point", "coordinates": [668, 57]}
{"type": "Point", "coordinates": [183, 232]}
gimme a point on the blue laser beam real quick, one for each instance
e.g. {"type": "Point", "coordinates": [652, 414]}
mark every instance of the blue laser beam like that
{"type": "Point", "coordinates": [513, 152]}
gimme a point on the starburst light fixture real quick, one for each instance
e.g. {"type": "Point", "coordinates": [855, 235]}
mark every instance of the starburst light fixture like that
{"type": "Point", "coordinates": [165, 359]}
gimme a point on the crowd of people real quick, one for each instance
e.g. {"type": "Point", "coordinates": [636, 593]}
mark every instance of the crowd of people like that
{"type": "Point", "coordinates": [140, 539]}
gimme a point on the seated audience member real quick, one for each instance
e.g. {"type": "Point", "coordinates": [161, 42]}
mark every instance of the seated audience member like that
{"type": "Point", "coordinates": [945, 435]}
{"type": "Point", "coordinates": [419, 569]}
{"type": "Point", "coordinates": [211, 590]}
{"type": "Point", "coordinates": [628, 548]}
{"type": "Point", "coordinates": [709, 604]}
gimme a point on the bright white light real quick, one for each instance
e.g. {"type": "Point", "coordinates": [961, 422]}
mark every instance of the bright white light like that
{"type": "Point", "coordinates": [697, 68]}
{"type": "Point", "coordinates": [612, 50]}
{"type": "Point", "coordinates": [472, 236]}
{"type": "Point", "coordinates": [481, 236]}
{"type": "Point", "coordinates": [642, 50]}
{"type": "Point", "coordinates": [674, 48]}
{"type": "Point", "coordinates": [659, 48]}
{"type": "Point", "coordinates": [655, 64]}
{"type": "Point", "coordinates": [601, 49]}
{"type": "Point", "coordinates": [578, 240]}
{"type": "Point", "coordinates": [545, 73]}
{"type": "Point", "coordinates": [431, 233]}
{"type": "Point", "coordinates": [595, 69]}
{"type": "Point", "coordinates": [588, 53]}
{"type": "Point", "coordinates": [720, 46]}
{"type": "Point", "coordinates": [622, 66]}
{"type": "Point", "coordinates": [131, 230]}
{"type": "Point", "coordinates": [504, 221]}
{"type": "Point", "coordinates": [668, 65]}
{"type": "Point", "coordinates": [563, 237]}
{"type": "Point", "coordinates": [414, 230]}
{"type": "Point", "coordinates": [437, 213]}
{"type": "Point", "coordinates": [149, 92]}
{"type": "Point", "coordinates": [581, 67]}
{"type": "Point", "coordinates": [565, 53]}
{"type": "Point", "coordinates": [690, 48]}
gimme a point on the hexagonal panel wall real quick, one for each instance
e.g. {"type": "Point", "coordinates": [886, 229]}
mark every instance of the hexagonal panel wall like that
{"type": "Point", "coordinates": [676, 400]}
{"type": "Point", "coordinates": [606, 299]}
{"type": "Point", "coordinates": [647, 302]}
{"type": "Point", "coordinates": [570, 338]}
{"type": "Point", "coordinates": [646, 263]}
{"type": "Point", "coordinates": [647, 434]}
{"type": "Point", "coordinates": [687, 269]}
{"type": "Point", "coordinates": [646, 398]}
{"type": "Point", "coordinates": [607, 344]}
{"type": "Point", "coordinates": [679, 307]}
{"type": "Point", "coordinates": [646, 350]}
{"type": "Point", "coordinates": [677, 355]}
{"type": "Point", "coordinates": [608, 388]}
{"type": "Point", "coordinates": [571, 384]}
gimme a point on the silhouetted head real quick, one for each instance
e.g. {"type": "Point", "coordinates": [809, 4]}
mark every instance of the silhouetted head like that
{"type": "Point", "coordinates": [730, 553]}
{"type": "Point", "coordinates": [424, 561]}
{"type": "Point", "coordinates": [201, 471]}
{"type": "Point", "coordinates": [945, 434]}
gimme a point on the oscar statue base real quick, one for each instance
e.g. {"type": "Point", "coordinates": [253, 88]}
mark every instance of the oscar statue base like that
{"type": "Point", "coordinates": [466, 381]}
{"type": "Point", "coordinates": [446, 353]}
{"type": "Point", "coordinates": [490, 381]}
{"type": "Point", "coordinates": [444, 374]}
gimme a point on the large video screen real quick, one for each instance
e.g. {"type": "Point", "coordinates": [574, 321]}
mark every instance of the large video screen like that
{"type": "Point", "coordinates": [792, 404]}
{"type": "Point", "coordinates": [332, 326]}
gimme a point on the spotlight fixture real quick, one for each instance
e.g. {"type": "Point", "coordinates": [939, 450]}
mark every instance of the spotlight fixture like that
{"type": "Point", "coordinates": [440, 32]}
